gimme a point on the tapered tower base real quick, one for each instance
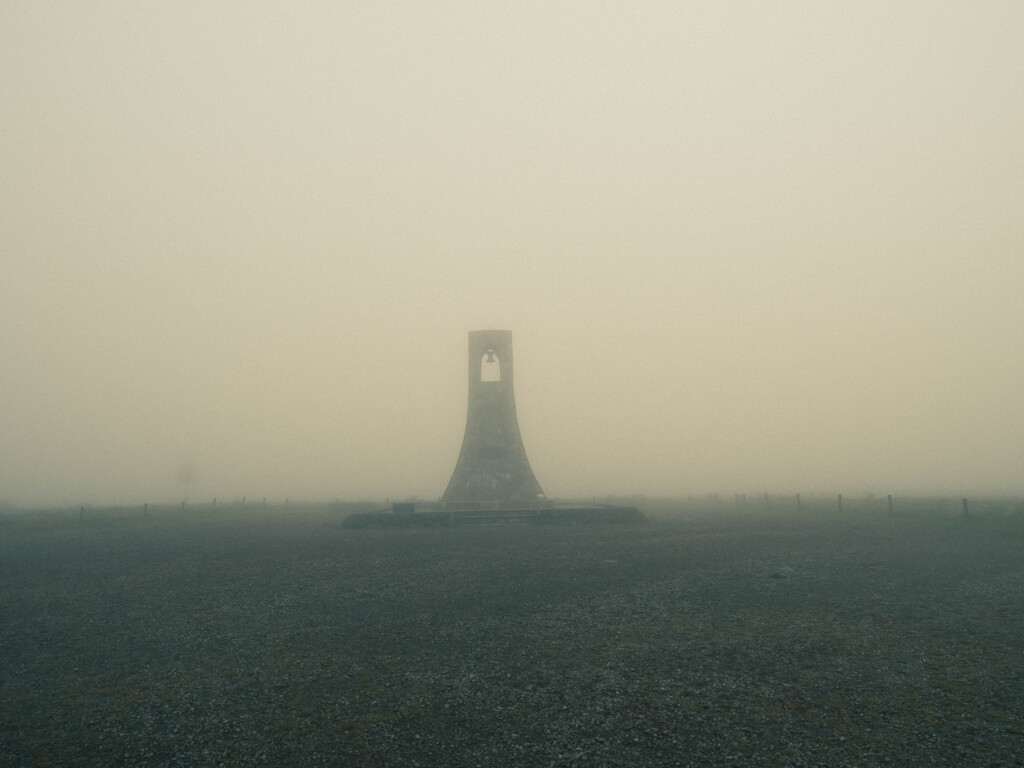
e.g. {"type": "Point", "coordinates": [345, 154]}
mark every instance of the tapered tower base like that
{"type": "Point", "coordinates": [492, 464]}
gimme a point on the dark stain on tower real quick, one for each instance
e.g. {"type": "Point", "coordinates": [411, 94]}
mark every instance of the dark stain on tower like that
{"type": "Point", "coordinates": [492, 464]}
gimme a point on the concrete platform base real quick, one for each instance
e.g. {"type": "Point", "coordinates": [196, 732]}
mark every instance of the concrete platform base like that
{"type": "Point", "coordinates": [432, 514]}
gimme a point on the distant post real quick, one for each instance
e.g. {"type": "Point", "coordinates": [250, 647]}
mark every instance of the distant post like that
{"type": "Point", "coordinates": [840, 502]}
{"type": "Point", "coordinates": [766, 499]}
{"type": "Point", "coordinates": [798, 501]}
{"type": "Point", "coordinates": [890, 503]}
{"type": "Point", "coordinates": [965, 507]}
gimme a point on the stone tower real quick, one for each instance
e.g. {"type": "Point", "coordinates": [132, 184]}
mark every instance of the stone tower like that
{"type": "Point", "coordinates": [492, 464]}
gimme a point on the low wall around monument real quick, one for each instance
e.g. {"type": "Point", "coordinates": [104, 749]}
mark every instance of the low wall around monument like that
{"type": "Point", "coordinates": [429, 515]}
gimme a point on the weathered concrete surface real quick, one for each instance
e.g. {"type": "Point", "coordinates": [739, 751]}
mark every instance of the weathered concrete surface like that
{"type": "Point", "coordinates": [492, 464]}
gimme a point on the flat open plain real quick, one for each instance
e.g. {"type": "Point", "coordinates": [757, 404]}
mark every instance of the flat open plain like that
{"type": "Point", "coordinates": [702, 637]}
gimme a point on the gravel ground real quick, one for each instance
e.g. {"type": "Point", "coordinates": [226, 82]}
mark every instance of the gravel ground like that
{"type": "Point", "coordinates": [698, 639]}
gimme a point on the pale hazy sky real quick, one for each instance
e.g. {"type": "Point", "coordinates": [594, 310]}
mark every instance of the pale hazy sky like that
{"type": "Point", "coordinates": [743, 247]}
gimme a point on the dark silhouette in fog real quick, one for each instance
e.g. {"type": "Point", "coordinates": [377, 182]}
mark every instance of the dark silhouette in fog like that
{"type": "Point", "coordinates": [492, 464]}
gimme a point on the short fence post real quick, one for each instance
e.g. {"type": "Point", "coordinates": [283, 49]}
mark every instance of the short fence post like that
{"type": "Point", "coordinates": [890, 503]}
{"type": "Point", "coordinates": [840, 502]}
{"type": "Point", "coordinates": [798, 501]}
{"type": "Point", "coordinates": [965, 507]}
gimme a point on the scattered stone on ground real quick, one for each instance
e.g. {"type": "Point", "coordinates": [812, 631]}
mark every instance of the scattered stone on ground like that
{"type": "Point", "coordinates": [284, 639]}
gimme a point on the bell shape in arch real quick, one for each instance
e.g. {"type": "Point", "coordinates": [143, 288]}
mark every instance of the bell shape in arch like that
{"type": "Point", "coordinates": [492, 464]}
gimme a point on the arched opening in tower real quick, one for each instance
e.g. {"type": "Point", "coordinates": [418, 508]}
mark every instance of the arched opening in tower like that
{"type": "Point", "coordinates": [490, 366]}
